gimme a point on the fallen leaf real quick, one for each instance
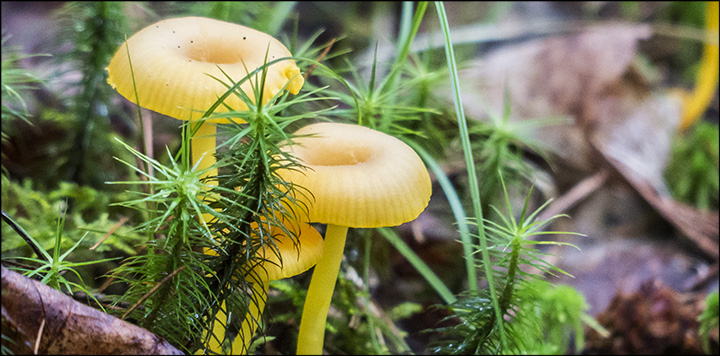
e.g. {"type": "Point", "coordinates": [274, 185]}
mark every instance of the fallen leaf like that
{"type": "Point", "coordinates": [556, 76]}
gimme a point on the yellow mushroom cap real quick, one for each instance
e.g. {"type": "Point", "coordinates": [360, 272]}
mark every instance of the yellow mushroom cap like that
{"type": "Point", "coordinates": [296, 259]}
{"type": "Point", "coordinates": [357, 176]}
{"type": "Point", "coordinates": [173, 61]}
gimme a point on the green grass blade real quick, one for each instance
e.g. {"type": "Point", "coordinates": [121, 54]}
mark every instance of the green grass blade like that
{"type": "Point", "coordinates": [457, 210]}
{"type": "Point", "coordinates": [469, 161]}
{"type": "Point", "coordinates": [419, 264]}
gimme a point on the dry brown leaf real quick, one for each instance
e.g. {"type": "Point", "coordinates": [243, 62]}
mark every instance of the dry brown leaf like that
{"type": "Point", "coordinates": [700, 226]}
{"type": "Point", "coordinates": [558, 76]}
{"type": "Point", "coordinates": [620, 123]}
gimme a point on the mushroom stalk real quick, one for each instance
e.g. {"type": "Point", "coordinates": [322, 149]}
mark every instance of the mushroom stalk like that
{"type": "Point", "coordinates": [319, 295]}
{"type": "Point", "coordinates": [707, 76]}
{"type": "Point", "coordinates": [249, 325]}
{"type": "Point", "coordinates": [203, 143]}
{"type": "Point", "coordinates": [218, 329]}
{"type": "Point", "coordinates": [252, 319]}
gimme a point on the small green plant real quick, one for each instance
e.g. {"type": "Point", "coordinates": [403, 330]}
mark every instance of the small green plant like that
{"type": "Point", "coordinates": [15, 80]}
{"type": "Point", "coordinates": [499, 146]}
{"type": "Point", "coordinates": [171, 268]}
{"type": "Point", "coordinates": [709, 321]}
{"type": "Point", "coordinates": [53, 267]}
{"type": "Point", "coordinates": [193, 229]}
{"type": "Point", "coordinates": [512, 248]}
{"type": "Point", "coordinates": [37, 211]}
{"type": "Point", "coordinates": [555, 315]}
{"type": "Point", "coordinates": [94, 28]}
{"type": "Point", "coordinates": [692, 173]}
{"type": "Point", "coordinates": [489, 320]}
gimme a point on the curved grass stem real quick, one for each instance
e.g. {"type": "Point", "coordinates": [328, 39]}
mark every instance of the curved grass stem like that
{"type": "Point", "coordinates": [469, 162]}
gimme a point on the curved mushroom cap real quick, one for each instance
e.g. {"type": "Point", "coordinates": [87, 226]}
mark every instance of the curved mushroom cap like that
{"type": "Point", "coordinates": [173, 61]}
{"type": "Point", "coordinates": [296, 259]}
{"type": "Point", "coordinates": [356, 176]}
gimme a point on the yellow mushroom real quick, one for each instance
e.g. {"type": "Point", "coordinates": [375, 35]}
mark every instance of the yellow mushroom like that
{"type": "Point", "coordinates": [174, 62]}
{"type": "Point", "coordinates": [355, 177]}
{"type": "Point", "coordinates": [173, 66]}
{"type": "Point", "coordinates": [695, 103]}
{"type": "Point", "coordinates": [296, 259]}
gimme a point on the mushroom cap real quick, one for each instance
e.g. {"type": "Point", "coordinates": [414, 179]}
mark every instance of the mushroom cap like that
{"type": "Point", "coordinates": [357, 176]}
{"type": "Point", "coordinates": [295, 259]}
{"type": "Point", "coordinates": [173, 59]}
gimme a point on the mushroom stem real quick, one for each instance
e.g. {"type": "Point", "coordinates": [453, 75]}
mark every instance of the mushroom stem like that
{"type": "Point", "coordinates": [218, 329]}
{"type": "Point", "coordinates": [249, 325]}
{"type": "Point", "coordinates": [707, 77]}
{"type": "Point", "coordinates": [202, 147]}
{"type": "Point", "coordinates": [319, 295]}
{"type": "Point", "coordinates": [252, 319]}
{"type": "Point", "coordinates": [203, 143]}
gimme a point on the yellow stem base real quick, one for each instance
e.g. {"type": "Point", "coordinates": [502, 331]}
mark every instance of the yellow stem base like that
{"type": "Point", "coordinates": [319, 296]}
{"type": "Point", "coordinates": [252, 319]}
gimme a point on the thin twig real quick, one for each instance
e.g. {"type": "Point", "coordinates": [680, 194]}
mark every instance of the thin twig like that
{"type": "Point", "coordinates": [579, 192]}
{"type": "Point", "coordinates": [39, 336]}
{"type": "Point", "coordinates": [320, 58]}
{"type": "Point", "coordinates": [151, 292]}
{"type": "Point", "coordinates": [110, 232]}
{"type": "Point", "coordinates": [106, 284]}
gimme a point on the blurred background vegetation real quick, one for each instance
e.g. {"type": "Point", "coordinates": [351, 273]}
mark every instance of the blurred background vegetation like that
{"type": "Point", "coordinates": [60, 120]}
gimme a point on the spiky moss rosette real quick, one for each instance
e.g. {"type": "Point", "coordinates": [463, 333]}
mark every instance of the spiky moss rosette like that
{"type": "Point", "coordinates": [352, 176]}
{"type": "Point", "coordinates": [174, 60]}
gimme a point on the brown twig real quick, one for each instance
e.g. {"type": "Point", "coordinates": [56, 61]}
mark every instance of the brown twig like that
{"type": "Point", "coordinates": [110, 232]}
{"type": "Point", "coordinates": [574, 195]}
{"type": "Point", "coordinates": [39, 337]}
{"type": "Point", "coordinates": [700, 227]}
{"type": "Point", "coordinates": [151, 292]}
{"type": "Point", "coordinates": [319, 59]}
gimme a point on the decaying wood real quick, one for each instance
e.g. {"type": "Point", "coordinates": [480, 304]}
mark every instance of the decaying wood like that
{"type": "Point", "coordinates": [39, 319]}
